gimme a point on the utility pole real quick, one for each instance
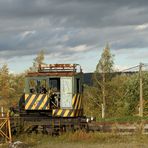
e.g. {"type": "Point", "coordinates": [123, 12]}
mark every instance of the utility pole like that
{"type": "Point", "coordinates": [141, 90]}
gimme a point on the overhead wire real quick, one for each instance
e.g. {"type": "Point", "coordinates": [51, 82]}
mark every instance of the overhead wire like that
{"type": "Point", "coordinates": [134, 67]}
{"type": "Point", "coordinates": [127, 69]}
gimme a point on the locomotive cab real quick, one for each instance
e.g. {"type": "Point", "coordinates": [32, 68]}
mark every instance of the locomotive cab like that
{"type": "Point", "coordinates": [55, 89]}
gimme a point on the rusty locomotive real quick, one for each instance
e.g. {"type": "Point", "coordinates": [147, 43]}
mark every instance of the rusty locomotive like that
{"type": "Point", "coordinates": [53, 99]}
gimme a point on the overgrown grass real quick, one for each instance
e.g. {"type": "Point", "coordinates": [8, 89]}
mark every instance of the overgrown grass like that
{"type": "Point", "coordinates": [81, 137]}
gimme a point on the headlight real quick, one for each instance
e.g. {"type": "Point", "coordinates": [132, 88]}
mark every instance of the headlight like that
{"type": "Point", "coordinates": [92, 118]}
{"type": "Point", "coordinates": [87, 120]}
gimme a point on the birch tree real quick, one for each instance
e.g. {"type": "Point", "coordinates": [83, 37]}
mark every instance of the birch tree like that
{"type": "Point", "coordinates": [104, 68]}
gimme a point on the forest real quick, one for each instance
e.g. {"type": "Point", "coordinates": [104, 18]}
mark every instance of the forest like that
{"type": "Point", "coordinates": [111, 93]}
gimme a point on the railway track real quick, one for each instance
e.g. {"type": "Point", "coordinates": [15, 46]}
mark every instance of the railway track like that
{"type": "Point", "coordinates": [119, 127]}
{"type": "Point", "coordinates": [59, 125]}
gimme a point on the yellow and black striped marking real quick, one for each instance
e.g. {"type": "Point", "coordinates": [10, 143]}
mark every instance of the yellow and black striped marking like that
{"type": "Point", "coordinates": [77, 101]}
{"type": "Point", "coordinates": [36, 102]}
{"type": "Point", "coordinates": [67, 112]}
{"type": "Point", "coordinates": [76, 110]}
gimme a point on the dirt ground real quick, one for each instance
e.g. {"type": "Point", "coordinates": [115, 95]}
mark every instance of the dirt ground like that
{"type": "Point", "coordinates": [79, 145]}
{"type": "Point", "coordinates": [121, 145]}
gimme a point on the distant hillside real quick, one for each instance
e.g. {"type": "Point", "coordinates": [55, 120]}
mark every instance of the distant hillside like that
{"type": "Point", "coordinates": [88, 79]}
{"type": "Point", "coordinates": [88, 76]}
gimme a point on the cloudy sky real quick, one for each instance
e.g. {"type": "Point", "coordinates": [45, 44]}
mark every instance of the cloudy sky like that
{"type": "Point", "coordinates": [73, 31]}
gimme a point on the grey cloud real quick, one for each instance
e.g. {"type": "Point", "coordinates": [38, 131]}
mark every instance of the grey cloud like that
{"type": "Point", "coordinates": [58, 26]}
{"type": "Point", "coordinates": [76, 13]}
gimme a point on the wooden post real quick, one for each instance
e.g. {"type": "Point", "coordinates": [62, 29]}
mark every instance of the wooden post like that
{"type": "Point", "coordinates": [9, 128]}
{"type": "Point", "coordinates": [2, 111]}
{"type": "Point", "coordinates": [102, 110]}
{"type": "Point", "coordinates": [141, 90]}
